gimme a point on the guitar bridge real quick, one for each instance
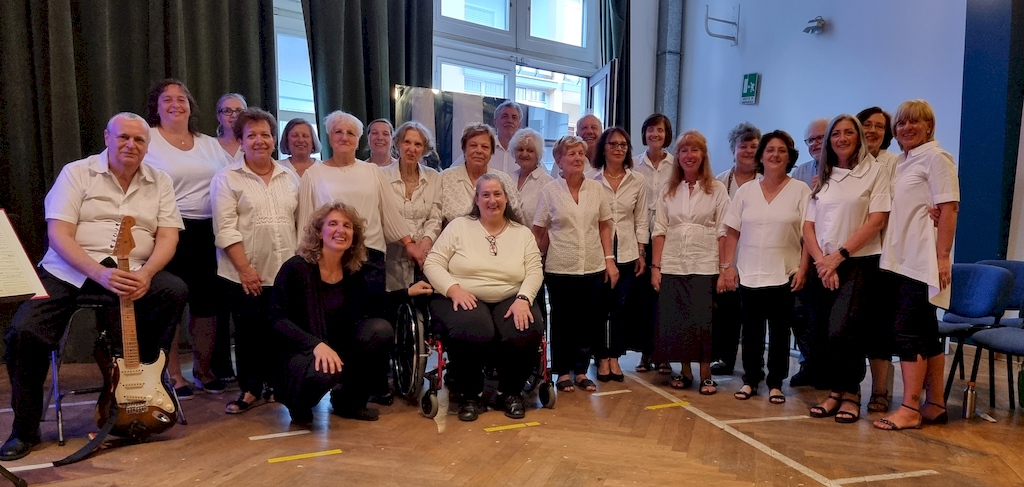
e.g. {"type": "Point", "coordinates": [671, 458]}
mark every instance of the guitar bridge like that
{"type": "Point", "coordinates": [135, 407]}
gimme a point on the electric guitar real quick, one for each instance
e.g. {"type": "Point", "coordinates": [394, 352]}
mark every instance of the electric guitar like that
{"type": "Point", "coordinates": [135, 390]}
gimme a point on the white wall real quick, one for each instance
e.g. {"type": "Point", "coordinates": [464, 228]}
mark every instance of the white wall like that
{"type": "Point", "coordinates": [643, 46]}
{"type": "Point", "coordinates": [875, 52]}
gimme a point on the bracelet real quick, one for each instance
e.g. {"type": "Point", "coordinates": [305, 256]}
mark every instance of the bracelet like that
{"type": "Point", "coordinates": [843, 252]}
{"type": "Point", "coordinates": [656, 266]}
{"type": "Point", "coordinates": [725, 265]}
{"type": "Point", "coordinates": [612, 257]}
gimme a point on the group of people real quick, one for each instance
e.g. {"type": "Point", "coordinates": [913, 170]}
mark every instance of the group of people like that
{"type": "Point", "coordinates": [308, 258]}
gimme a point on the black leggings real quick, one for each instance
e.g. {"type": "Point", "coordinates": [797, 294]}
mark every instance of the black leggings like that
{"type": "Point", "coordinates": [773, 305]}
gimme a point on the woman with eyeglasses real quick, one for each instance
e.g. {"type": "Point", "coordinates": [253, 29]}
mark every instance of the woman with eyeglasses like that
{"type": "Point", "coordinates": [573, 226]}
{"type": "Point", "coordinates": [228, 107]}
{"type": "Point", "coordinates": [626, 191]}
{"type": "Point", "coordinates": [878, 134]}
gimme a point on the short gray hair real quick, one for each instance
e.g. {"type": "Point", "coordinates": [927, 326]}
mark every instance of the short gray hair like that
{"type": "Point", "coordinates": [127, 116]}
{"type": "Point", "coordinates": [428, 138]}
{"type": "Point", "coordinates": [529, 138]}
{"type": "Point", "coordinates": [742, 132]}
{"type": "Point", "coordinates": [508, 103]}
{"type": "Point", "coordinates": [339, 116]}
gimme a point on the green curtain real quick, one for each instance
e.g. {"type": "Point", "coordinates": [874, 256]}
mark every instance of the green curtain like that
{"type": "Point", "coordinates": [615, 45]}
{"type": "Point", "coordinates": [67, 66]}
{"type": "Point", "coordinates": [360, 49]}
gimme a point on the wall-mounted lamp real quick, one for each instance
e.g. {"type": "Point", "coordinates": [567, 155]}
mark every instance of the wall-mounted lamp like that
{"type": "Point", "coordinates": [815, 26]}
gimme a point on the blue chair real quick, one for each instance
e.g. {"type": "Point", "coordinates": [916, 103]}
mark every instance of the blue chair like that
{"type": "Point", "coordinates": [978, 292]}
{"type": "Point", "coordinates": [1016, 298]}
{"type": "Point", "coordinates": [1006, 340]}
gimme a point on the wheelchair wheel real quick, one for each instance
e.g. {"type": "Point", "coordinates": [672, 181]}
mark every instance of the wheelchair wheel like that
{"type": "Point", "coordinates": [429, 404]}
{"type": "Point", "coordinates": [409, 358]}
{"type": "Point", "coordinates": [546, 393]}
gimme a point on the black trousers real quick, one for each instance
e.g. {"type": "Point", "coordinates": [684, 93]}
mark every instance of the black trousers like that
{"type": "Point", "coordinates": [613, 340]}
{"type": "Point", "coordinates": [367, 342]}
{"type": "Point", "coordinates": [252, 335]}
{"type": "Point", "coordinates": [38, 325]}
{"type": "Point", "coordinates": [483, 336]}
{"type": "Point", "coordinates": [770, 307]}
{"type": "Point", "coordinates": [641, 305]}
{"type": "Point", "coordinates": [725, 327]}
{"type": "Point", "coordinates": [575, 320]}
{"type": "Point", "coordinates": [802, 329]}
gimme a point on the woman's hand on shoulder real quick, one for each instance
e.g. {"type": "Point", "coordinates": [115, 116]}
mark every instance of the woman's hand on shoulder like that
{"type": "Point", "coordinates": [520, 313]}
{"type": "Point", "coordinates": [325, 359]}
{"type": "Point", "coordinates": [461, 297]}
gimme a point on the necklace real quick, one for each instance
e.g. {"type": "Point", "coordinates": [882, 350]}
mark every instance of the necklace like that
{"type": "Point", "coordinates": [493, 239]}
{"type": "Point", "coordinates": [260, 174]}
{"type": "Point", "coordinates": [609, 176]}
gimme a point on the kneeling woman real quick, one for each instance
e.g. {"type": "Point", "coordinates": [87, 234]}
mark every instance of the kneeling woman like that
{"type": "Point", "coordinates": [325, 340]}
{"type": "Point", "coordinates": [488, 267]}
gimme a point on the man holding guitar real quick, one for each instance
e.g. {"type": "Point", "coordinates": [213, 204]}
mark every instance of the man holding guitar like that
{"type": "Point", "coordinates": [84, 211]}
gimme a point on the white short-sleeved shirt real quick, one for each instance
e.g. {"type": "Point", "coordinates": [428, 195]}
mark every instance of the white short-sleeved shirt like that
{"type": "Point", "coordinates": [361, 185]}
{"type": "Point", "coordinates": [691, 223]}
{"type": "Point", "coordinates": [258, 215]}
{"type": "Point", "coordinates": [655, 177]}
{"type": "Point", "coordinates": [422, 213]}
{"type": "Point", "coordinates": [191, 170]}
{"type": "Point", "coordinates": [629, 213]}
{"type": "Point", "coordinates": [530, 190]}
{"type": "Point", "coordinates": [843, 205]}
{"type": "Point", "coordinates": [574, 234]}
{"type": "Point", "coordinates": [768, 251]}
{"type": "Point", "coordinates": [458, 192]}
{"type": "Point", "coordinates": [88, 195]}
{"type": "Point", "coordinates": [925, 177]}
{"type": "Point", "coordinates": [729, 180]}
{"type": "Point", "coordinates": [502, 160]}
{"type": "Point", "coordinates": [462, 255]}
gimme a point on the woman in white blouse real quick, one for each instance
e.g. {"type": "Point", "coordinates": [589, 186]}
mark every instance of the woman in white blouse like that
{"type": "Point", "coordinates": [528, 146]}
{"type": "Point", "coordinates": [190, 159]}
{"type": "Point", "coordinates": [764, 228]}
{"type": "Point", "coordinates": [848, 209]}
{"type": "Point", "coordinates": [688, 229]}
{"type": "Point", "coordinates": [458, 183]}
{"type": "Point", "coordinates": [363, 186]}
{"type": "Point", "coordinates": [656, 164]}
{"type": "Point", "coordinates": [488, 267]}
{"type": "Point", "coordinates": [378, 137]}
{"type": "Point", "coordinates": [299, 143]}
{"type": "Point", "coordinates": [228, 107]}
{"type": "Point", "coordinates": [916, 260]}
{"type": "Point", "coordinates": [878, 135]}
{"type": "Point", "coordinates": [626, 192]}
{"type": "Point", "coordinates": [573, 226]}
{"type": "Point", "coordinates": [254, 203]}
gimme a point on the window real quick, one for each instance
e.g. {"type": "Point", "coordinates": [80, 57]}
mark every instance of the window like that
{"type": "Point", "coordinates": [488, 13]}
{"type": "Point", "coordinates": [294, 76]}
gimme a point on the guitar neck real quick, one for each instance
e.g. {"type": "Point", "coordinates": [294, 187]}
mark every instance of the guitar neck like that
{"type": "Point", "coordinates": [129, 335]}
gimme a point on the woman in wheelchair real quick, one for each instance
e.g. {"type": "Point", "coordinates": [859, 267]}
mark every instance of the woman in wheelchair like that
{"type": "Point", "coordinates": [325, 340]}
{"type": "Point", "coordinates": [488, 267]}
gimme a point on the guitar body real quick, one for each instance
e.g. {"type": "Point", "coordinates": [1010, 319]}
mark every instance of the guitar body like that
{"type": "Point", "coordinates": [142, 399]}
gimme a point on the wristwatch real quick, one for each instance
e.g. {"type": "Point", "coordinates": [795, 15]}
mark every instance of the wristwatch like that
{"type": "Point", "coordinates": [524, 298]}
{"type": "Point", "coordinates": [843, 252]}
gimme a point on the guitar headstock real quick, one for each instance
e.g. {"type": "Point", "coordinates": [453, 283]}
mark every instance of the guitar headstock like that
{"type": "Point", "coordinates": [125, 243]}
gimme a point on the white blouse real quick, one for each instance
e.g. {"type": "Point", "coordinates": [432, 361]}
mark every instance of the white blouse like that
{"type": "Point", "coordinates": [843, 205]}
{"type": "Point", "coordinates": [530, 192]}
{"type": "Point", "coordinates": [728, 178]}
{"type": "Point", "coordinates": [629, 213]}
{"type": "Point", "coordinates": [287, 164]}
{"type": "Point", "coordinates": [768, 251]}
{"type": "Point", "coordinates": [458, 192]}
{"type": "Point", "coordinates": [574, 235]}
{"type": "Point", "coordinates": [462, 255]}
{"type": "Point", "coordinates": [655, 178]}
{"type": "Point", "coordinates": [422, 213]}
{"type": "Point", "coordinates": [190, 170]}
{"type": "Point", "coordinates": [364, 187]}
{"type": "Point", "coordinates": [925, 176]}
{"type": "Point", "coordinates": [691, 224]}
{"type": "Point", "coordinates": [258, 215]}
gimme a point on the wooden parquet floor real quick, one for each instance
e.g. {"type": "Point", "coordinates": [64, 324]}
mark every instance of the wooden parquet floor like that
{"type": "Point", "coordinates": [587, 440]}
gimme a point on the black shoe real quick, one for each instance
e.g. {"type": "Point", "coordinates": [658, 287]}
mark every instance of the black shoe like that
{"type": "Point", "coordinates": [801, 379]}
{"type": "Point", "coordinates": [515, 408]}
{"type": "Point", "coordinates": [16, 448]}
{"type": "Point", "coordinates": [364, 414]}
{"type": "Point", "coordinates": [383, 399]}
{"type": "Point", "coordinates": [301, 416]}
{"type": "Point", "coordinates": [719, 367]}
{"type": "Point", "coordinates": [470, 410]}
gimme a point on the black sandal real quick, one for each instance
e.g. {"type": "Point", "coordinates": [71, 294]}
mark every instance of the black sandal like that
{"type": "Point", "coordinates": [239, 406]}
{"type": "Point", "coordinates": [942, 417]}
{"type": "Point", "coordinates": [586, 385]}
{"type": "Point", "coordinates": [819, 411]}
{"type": "Point", "coordinates": [777, 398]}
{"type": "Point", "coordinates": [680, 382]}
{"type": "Point", "coordinates": [847, 417]}
{"type": "Point", "coordinates": [665, 368]}
{"type": "Point", "coordinates": [708, 387]}
{"type": "Point", "coordinates": [879, 403]}
{"type": "Point", "coordinates": [565, 385]}
{"type": "Point", "coordinates": [889, 425]}
{"type": "Point", "coordinates": [744, 395]}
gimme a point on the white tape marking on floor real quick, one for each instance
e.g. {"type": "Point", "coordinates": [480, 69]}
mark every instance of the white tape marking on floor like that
{"type": "Point", "coordinates": [609, 393]}
{"type": "Point", "coordinates": [759, 420]}
{"type": "Point", "coordinates": [890, 476]}
{"type": "Point", "coordinates": [25, 468]}
{"type": "Point", "coordinates": [278, 435]}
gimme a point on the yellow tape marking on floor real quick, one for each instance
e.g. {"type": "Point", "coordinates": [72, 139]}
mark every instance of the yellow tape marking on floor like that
{"type": "Point", "coordinates": [304, 455]}
{"type": "Point", "coordinates": [669, 405]}
{"type": "Point", "coordinates": [511, 426]}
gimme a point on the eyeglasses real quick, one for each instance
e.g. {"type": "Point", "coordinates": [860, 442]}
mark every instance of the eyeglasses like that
{"type": "Point", "coordinates": [494, 244]}
{"type": "Point", "coordinates": [814, 140]}
{"type": "Point", "coordinates": [618, 145]}
{"type": "Point", "coordinates": [230, 111]}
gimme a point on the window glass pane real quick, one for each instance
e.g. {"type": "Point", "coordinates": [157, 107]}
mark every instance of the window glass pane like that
{"type": "Point", "coordinates": [554, 91]}
{"type": "Point", "coordinates": [489, 13]}
{"type": "Point", "coordinates": [464, 79]}
{"type": "Point", "coordinates": [557, 20]}
{"type": "Point", "coordinates": [294, 77]}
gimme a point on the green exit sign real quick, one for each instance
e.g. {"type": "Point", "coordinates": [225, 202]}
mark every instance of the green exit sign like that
{"type": "Point", "coordinates": [751, 85]}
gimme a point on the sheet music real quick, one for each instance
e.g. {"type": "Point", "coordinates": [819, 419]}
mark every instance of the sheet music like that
{"type": "Point", "coordinates": [17, 275]}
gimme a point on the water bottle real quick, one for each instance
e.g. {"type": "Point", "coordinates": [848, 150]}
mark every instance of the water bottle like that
{"type": "Point", "coordinates": [970, 398]}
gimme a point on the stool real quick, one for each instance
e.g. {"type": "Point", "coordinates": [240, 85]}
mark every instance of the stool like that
{"type": "Point", "coordinates": [98, 303]}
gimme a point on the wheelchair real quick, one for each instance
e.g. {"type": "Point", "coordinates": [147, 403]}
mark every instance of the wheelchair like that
{"type": "Point", "coordinates": [416, 342]}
